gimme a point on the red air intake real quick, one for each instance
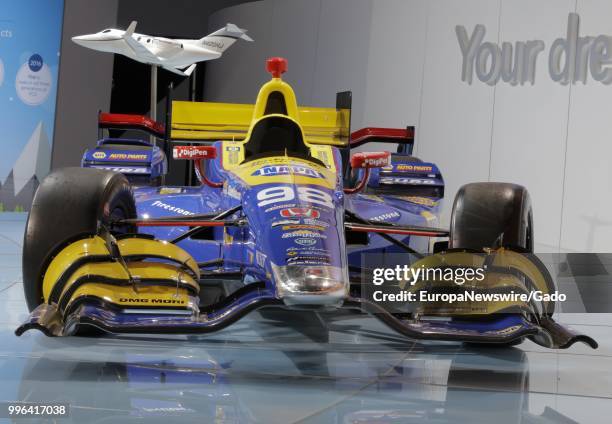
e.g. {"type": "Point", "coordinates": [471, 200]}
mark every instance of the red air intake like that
{"type": "Point", "coordinates": [277, 66]}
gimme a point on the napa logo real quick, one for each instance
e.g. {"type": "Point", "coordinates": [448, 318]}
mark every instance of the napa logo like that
{"type": "Point", "coordinates": [273, 170]}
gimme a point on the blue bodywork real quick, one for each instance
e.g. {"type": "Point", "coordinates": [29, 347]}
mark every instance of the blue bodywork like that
{"type": "Point", "coordinates": [137, 159]}
{"type": "Point", "coordinates": [237, 246]}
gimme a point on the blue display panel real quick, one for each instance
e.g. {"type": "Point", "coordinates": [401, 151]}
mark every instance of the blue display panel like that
{"type": "Point", "coordinates": [30, 38]}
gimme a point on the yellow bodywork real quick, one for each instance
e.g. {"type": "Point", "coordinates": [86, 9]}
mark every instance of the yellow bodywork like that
{"type": "Point", "coordinates": [167, 263]}
{"type": "Point", "coordinates": [505, 271]}
{"type": "Point", "coordinates": [226, 121]}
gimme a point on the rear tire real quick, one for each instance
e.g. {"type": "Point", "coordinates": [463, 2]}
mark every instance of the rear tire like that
{"type": "Point", "coordinates": [70, 203]}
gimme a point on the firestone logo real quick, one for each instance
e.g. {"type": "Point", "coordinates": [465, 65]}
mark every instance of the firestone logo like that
{"type": "Point", "coordinates": [570, 59]}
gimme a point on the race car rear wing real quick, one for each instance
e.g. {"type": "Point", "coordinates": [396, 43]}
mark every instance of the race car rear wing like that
{"type": "Point", "coordinates": [130, 122]}
{"type": "Point", "coordinates": [403, 137]}
{"type": "Point", "coordinates": [204, 121]}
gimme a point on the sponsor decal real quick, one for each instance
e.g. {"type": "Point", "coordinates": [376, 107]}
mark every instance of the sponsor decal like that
{"type": "Point", "coordinates": [128, 156]}
{"type": "Point", "coordinates": [285, 222]}
{"type": "Point", "coordinates": [309, 250]}
{"type": "Point", "coordinates": [413, 168]}
{"type": "Point", "coordinates": [151, 301]}
{"type": "Point", "coordinates": [316, 222]}
{"type": "Point", "coordinates": [425, 201]}
{"type": "Point", "coordinates": [300, 212]}
{"type": "Point", "coordinates": [171, 190]}
{"type": "Point", "coordinates": [171, 208]}
{"type": "Point", "coordinates": [275, 208]}
{"type": "Point", "coordinates": [376, 162]}
{"type": "Point", "coordinates": [305, 241]}
{"type": "Point", "coordinates": [508, 330]}
{"type": "Point", "coordinates": [309, 260]}
{"type": "Point", "coordinates": [260, 258]}
{"type": "Point", "coordinates": [304, 233]}
{"type": "Point", "coordinates": [405, 181]}
{"type": "Point", "coordinates": [232, 149]}
{"type": "Point", "coordinates": [194, 152]}
{"type": "Point", "coordinates": [389, 216]}
{"type": "Point", "coordinates": [123, 169]}
{"type": "Point", "coordinates": [233, 192]}
{"type": "Point", "coordinates": [99, 155]}
{"type": "Point", "coordinates": [273, 170]}
{"type": "Point", "coordinates": [303, 227]}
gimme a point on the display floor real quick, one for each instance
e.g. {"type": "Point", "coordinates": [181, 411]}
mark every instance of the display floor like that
{"type": "Point", "coordinates": [347, 369]}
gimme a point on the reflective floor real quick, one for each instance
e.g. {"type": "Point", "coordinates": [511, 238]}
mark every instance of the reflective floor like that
{"type": "Point", "coordinates": [279, 368]}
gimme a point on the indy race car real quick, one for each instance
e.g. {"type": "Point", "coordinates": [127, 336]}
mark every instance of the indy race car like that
{"type": "Point", "coordinates": [284, 217]}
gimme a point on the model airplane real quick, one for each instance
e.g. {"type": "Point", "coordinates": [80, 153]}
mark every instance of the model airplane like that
{"type": "Point", "coordinates": [175, 55]}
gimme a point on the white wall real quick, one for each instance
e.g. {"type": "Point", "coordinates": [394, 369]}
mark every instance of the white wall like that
{"type": "Point", "coordinates": [402, 60]}
{"type": "Point", "coordinates": [325, 42]}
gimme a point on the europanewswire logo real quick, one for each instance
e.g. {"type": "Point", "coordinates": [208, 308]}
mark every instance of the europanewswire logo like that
{"type": "Point", "coordinates": [571, 59]}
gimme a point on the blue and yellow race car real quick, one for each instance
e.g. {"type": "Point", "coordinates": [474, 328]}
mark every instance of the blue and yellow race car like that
{"type": "Point", "coordinates": [283, 217]}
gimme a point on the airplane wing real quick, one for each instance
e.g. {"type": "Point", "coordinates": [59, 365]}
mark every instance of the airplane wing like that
{"type": "Point", "coordinates": [138, 48]}
{"type": "Point", "coordinates": [187, 72]}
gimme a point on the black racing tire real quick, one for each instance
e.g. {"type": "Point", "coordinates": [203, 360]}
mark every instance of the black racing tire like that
{"type": "Point", "coordinates": [69, 204]}
{"type": "Point", "coordinates": [487, 215]}
{"type": "Point", "coordinates": [490, 215]}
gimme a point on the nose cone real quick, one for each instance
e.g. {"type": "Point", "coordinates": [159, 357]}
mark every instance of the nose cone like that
{"type": "Point", "coordinates": [313, 285]}
{"type": "Point", "coordinates": [89, 40]}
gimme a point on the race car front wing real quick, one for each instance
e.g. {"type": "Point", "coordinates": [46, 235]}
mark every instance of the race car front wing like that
{"type": "Point", "coordinates": [88, 314]}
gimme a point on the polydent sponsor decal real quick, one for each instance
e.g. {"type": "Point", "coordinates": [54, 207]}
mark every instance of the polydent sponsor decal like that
{"type": "Point", "coordinates": [300, 212]}
{"type": "Point", "coordinates": [99, 155]}
{"type": "Point", "coordinates": [273, 170]}
{"type": "Point", "coordinates": [389, 216]}
{"type": "Point", "coordinates": [171, 208]}
{"type": "Point", "coordinates": [305, 241]}
{"type": "Point", "coordinates": [128, 156]}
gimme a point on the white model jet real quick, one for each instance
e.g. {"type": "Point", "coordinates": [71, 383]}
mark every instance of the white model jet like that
{"type": "Point", "coordinates": [178, 56]}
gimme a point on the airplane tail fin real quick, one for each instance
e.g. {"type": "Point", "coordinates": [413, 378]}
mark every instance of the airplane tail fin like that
{"type": "Point", "coordinates": [222, 39]}
{"type": "Point", "coordinates": [130, 30]}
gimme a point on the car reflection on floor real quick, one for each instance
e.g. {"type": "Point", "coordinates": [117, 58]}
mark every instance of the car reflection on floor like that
{"type": "Point", "coordinates": [284, 377]}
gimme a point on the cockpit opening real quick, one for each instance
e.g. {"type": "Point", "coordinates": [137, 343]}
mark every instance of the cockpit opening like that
{"type": "Point", "coordinates": [276, 136]}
